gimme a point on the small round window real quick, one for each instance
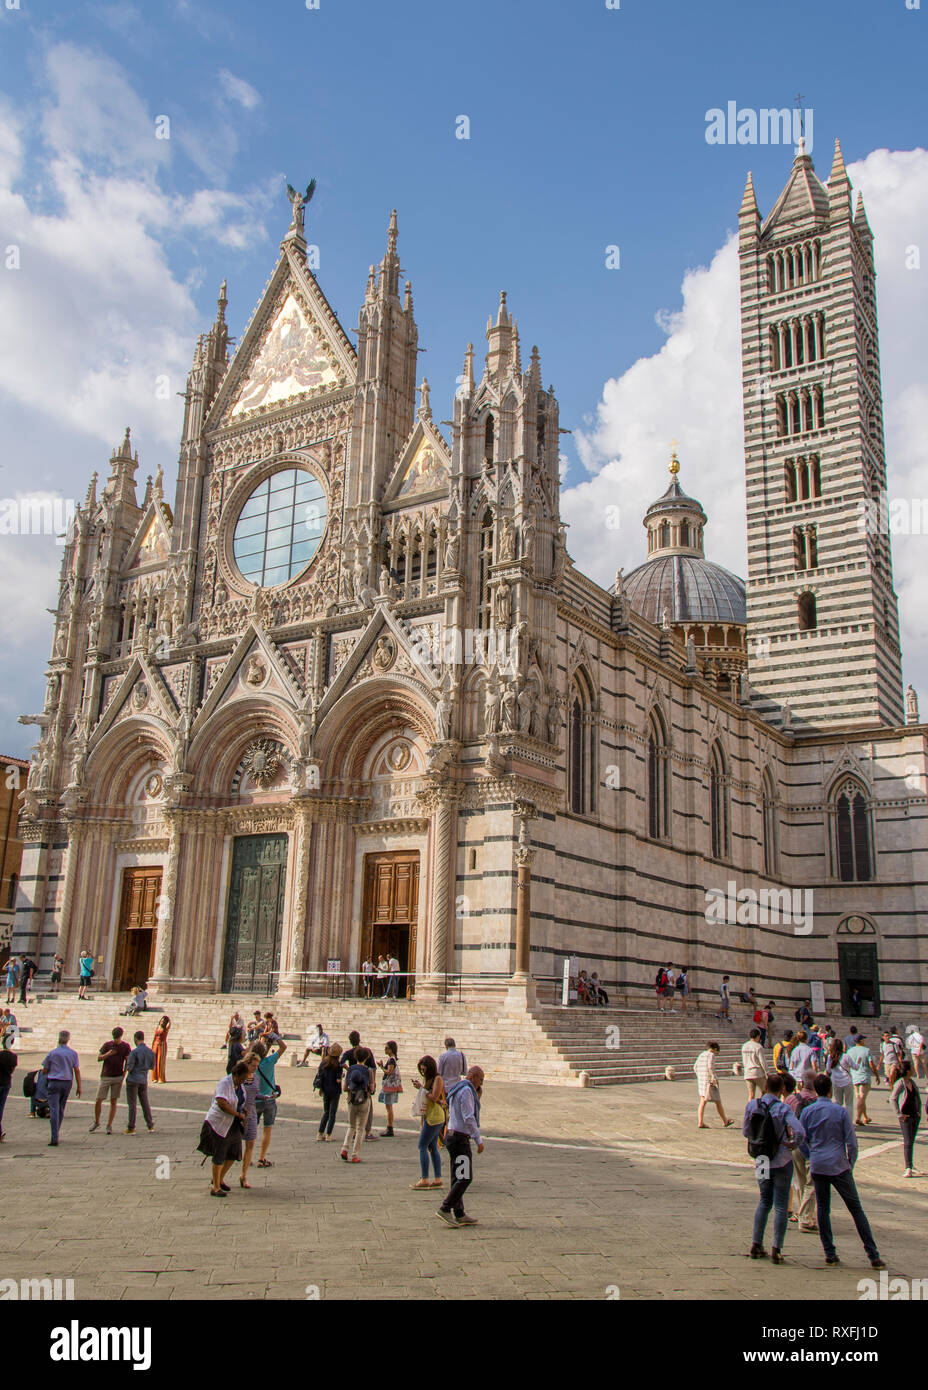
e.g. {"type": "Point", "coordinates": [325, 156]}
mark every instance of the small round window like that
{"type": "Point", "coordinates": [279, 528]}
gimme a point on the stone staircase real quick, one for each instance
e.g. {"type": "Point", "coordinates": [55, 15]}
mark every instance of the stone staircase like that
{"type": "Point", "coordinates": [549, 1046]}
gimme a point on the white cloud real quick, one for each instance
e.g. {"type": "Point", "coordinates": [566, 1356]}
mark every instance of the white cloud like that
{"type": "Point", "coordinates": [237, 89]}
{"type": "Point", "coordinates": [691, 391]}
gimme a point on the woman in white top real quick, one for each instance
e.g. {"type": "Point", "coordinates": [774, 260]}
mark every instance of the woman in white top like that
{"type": "Point", "coordinates": [221, 1134]}
{"type": "Point", "coordinates": [755, 1068]}
{"type": "Point", "coordinates": [842, 1085]}
{"type": "Point", "coordinates": [708, 1083]}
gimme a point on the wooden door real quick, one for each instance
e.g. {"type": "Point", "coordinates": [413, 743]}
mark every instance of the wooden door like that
{"type": "Point", "coordinates": [138, 927]}
{"type": "Point", "coordinates": [254, 925]}
{"type": "Point", "coordinates": [390, 910]}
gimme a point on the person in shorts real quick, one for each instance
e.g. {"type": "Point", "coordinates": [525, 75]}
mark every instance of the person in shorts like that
{"type": "Point", "coordinates": [266, 1099]}
{"type": "Point", "coordinates": [57, 969]}
{"type": "Point", "coordinates": [86, 969]}
{"type": "Point", "coordinates": [113, 1056]}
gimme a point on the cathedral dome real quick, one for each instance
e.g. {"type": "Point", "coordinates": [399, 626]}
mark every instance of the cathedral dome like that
{"type": "Point", "coordinates": [690, 588]}
{"type": "Point", "coordinates": [677, 580]}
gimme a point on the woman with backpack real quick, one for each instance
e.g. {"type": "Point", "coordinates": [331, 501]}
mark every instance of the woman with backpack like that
{"type": "Point", "coordinates": [328, 1082]}
{"type": "Point", "coordinates": [359, 1087]}
{"type": "Point", "coordinates": [391, 1086]}
{"type": "Point", "coordinates": [431, 1107]}
{"type": "Point", "coordinates": [907, 1103]}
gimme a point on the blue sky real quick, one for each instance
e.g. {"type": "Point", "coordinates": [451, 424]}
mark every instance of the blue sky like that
{"type": "Point", "coordinates": [587, 128]}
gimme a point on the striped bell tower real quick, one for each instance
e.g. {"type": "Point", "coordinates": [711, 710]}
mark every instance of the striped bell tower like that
{"type": "Point", "coordinates": [823, 626]}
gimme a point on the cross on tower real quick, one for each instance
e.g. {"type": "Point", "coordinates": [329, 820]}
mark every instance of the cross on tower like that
{"type": "Point", "coordinates": [800, 98]}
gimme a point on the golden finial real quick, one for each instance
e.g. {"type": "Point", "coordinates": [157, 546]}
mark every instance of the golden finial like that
{"type": "Point", "coordinates": [674, 465]}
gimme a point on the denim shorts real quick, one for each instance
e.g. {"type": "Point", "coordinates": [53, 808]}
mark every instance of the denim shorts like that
{"type": "Point", "coordinates": [266, 1109]}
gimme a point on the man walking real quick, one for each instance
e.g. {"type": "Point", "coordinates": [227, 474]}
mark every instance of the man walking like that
{"type": "Point", "coordinates": [708, 1083]}
{"type": "Point", "coordinates": [832, 1146]}
{"type": "Point", "coordinates": [393, 978]}
{"type": "Point", "coordinates": [463, 1126]}
{"type": "Point", "coordinates": [724, 1012]}
{"type": "Point", "coordinates": [452, 1065]}
{"type": "Point", "coordinates": [28, 968]}
{"type": "Point", "coordinates": [113, 1056]}
{"type": "Point", "coordinates": [138, 1064]}
{"type": "Point", "coordinates": [799, 1099]}
{"type": "Point", "coordinates": [61, 1066]}
{"type": "Point", "coordinates": [359, 1086]}
{"type": "Point", "coordinates": [752, 1059]}
{"type": "Point", "coordinates": [916, 1046]}
{"type": "Point", "coordinates": [348, 1059]}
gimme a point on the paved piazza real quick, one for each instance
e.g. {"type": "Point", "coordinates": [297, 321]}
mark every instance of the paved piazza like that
{"type": "Point", "coordinates": [577, 1192]}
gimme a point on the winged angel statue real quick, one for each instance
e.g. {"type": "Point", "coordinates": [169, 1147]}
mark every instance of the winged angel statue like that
{"type": "Point", "coordinates": [298, 202]}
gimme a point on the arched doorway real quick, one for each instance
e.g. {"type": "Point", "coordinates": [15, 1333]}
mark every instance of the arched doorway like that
{"type": "Point", "coordinates": [859, 967]}
{"type": "Point", "coordinates": [390, 911]}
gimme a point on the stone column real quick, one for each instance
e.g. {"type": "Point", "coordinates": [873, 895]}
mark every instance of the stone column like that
{"type": "Point", "coordinates": [442, 880]}
{"type": "Point", "coordinates": [521, 992]}
{"type": "Point", "coordinates": [161, 979]}
{"type": "Point", "coordinates": [289, 984]}
{"type": "Point", "coordinates": [75, 845]}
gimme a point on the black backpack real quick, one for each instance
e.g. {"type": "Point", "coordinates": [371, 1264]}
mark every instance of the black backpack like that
{"type": "Point", "coordinates": [763, 1136]}
{"type": "Point", "coordinates": [358, 1081]}
{"type": "Point", "coordinates": [29, 1083]}
{"type": "Point", "coordinates": [660, 979]}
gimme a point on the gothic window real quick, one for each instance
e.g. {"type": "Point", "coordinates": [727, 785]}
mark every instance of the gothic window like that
{"type": "Point", "coordinates": [790, 479]}
{"type": "Point", "coordinates": [684, 533]}
{"type": "Point", "coordinates": [489, 438]}
{"type": "Point", "coordinates": [770, 824]}
{"type": "Point", "coordinates": [815, 476]}
{"type": "Point", "coordinates": [580, 747]}
{"type": "Point", "coordinates": [808, 617]}
{"type": "Point", "coordinates": [540, 436]}
{"type": "Point", "coordinates": [665, 534]}
{"type": "Point", "coordinates": [658, 779]}
{"type": "Point", "coordinates": [485, 560]}
{"type": "Point", "coordinates": [852, 827]}
{"type": "Point", "coordinates": [719, 804]}
{"type": "Point", "coordinates": [805, 544]}
{"type": "Point", "coordinates": [431, 568]}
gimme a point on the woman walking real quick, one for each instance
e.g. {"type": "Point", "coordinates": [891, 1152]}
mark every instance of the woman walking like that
{"type": "Point", "coordinates": [236, 1049]}
{"type": "Point", "coordinates": [328, 1082]}
{"type": "Point", "coordinates": [708, 1083]}
{"type": "Point", "coordinates": [221, 1134]}
{"type": "Point", "coordinates": [434, 1113]}
{"type": "Point", "coordinates": [250, 1089]}
{"type": "Point", "coordinates": [841, 1083]}
{"type": "Point", "coordinates": [390, 1087]}
{"type": "Point", "coordinates": [907, 1103]}
{"type": "Point", "coordinates": [160, 1048]}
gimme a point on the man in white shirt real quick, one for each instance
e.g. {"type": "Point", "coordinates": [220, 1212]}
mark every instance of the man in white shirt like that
{"type": "Point", "coordinates": [367, 973]}
{"type": "Point", "coordinates": [916, 1046]}
{"type": "Point", "coordinates": [317, 1040]}
{"type": "Point", "coordinates": [393, 978]}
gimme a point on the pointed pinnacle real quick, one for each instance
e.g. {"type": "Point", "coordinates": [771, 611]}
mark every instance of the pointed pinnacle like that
{"type": "Point", "coordinates": [749, 200]}
{"type": "Point", "coordinates": [392, 232]}
{"type": "Point", "coordinates": [838, 171]}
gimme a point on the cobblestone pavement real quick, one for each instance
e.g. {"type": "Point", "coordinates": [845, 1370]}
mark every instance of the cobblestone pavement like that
{"type": "Point", "coordinates": [579, 1195]}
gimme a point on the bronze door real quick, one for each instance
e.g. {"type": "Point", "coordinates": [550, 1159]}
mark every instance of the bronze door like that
{"type": "Point", "coordinates": [390, 911]}
{"type": "Point", "coordinates": [138, 922]}
{"type": "Point", "coordinates": [254, 926]}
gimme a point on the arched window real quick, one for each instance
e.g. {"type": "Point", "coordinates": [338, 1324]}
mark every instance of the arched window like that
{"type": "Point", "coordinates": [808, 618]}
{"type": "Point", "coordinates": [658, 779]}
{"type": "Point", "coordinates": [580, 747]}
{"type": "Point", "coordinates": [684, 533]}
{"type": "Point", "coordinates": [718, 804]}
{"type": "Point", "coordinates": [770, 824]}
{"type": "Point", "coordinates": [852, 822]}
{"type": "Point", "coordinates": [485, 560]}
{"type": "Point", "coordinates": [489, 438]}
{"type": "Point", "coordinates": [665, 533]}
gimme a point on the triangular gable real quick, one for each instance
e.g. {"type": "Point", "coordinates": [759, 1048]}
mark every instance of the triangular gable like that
{"type": "Point", "coordinates": [423, 468]}
{"type": "Point", "coordinates": [278, 679]}
{"type": "Point", "coordinates": [846, 763]}
{"type": "Point", "coordinates": [293, 347]}
{"type": "Point", "coordinates": [159, 702]}
{"type": "Point", "coordinates": [151, 544]}
{"type": "Point", "coordinates": [381, 620]}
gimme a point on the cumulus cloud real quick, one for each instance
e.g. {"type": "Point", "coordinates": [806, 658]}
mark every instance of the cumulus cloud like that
{"type": "Point", "coordinates": [691, 390]}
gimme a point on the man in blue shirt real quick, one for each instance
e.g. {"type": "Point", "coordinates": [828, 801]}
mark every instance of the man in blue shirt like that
{"type": "Point", "coordinates": [266, 1099]}
{"type": "Point", "coordinates": [138, 1064]}
{"type": "Point", "coordinates": [832, 1146]}
{"type": "Point", "coordinates": [774, 1172]}
{"type": "Point", "coordinates": [61, 1066]}
{"type": "Point", "coordinates": [463, 1126]}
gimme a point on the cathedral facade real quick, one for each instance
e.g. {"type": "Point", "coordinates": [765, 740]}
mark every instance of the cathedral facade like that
{"type": "Point", "coordinates": [351, 696]}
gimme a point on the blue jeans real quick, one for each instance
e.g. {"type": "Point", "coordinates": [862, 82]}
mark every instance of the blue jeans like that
{"type": "Point", "coordinates": [845, 1186]}
{"type": "Point", "coordinates": [428, 1144]}
{"type": "Point", "coordinates": [774, 1192]}
{"type": "Point", "coordinates": [58, 1092]}
{"type": "Point", "coordinates": [390, 991]}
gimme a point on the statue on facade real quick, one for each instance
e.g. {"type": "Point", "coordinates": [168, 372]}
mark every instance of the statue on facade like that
{"type": "Point", "coordinates": [442, 716]}
{"type": "Point", "coordinates": [53, 689]}
{"type": "Point", "coordinates": [385, 581]}
{"type": "Point", "coordinates": [298, 202]}
{"type": "Point", "coordinates": [690, 653]}
{"type": "Point", "coordinates": [744, 688]}
{"type": "Point", "coordinates": [507, 542]}
{"type": "Point", "coordinates": [526, 703]}
{"type": "Point", "coordinates": [554, 721]}
{"type": "Point", "coordinates": [508, 713]}
{"type": "Point", "coordinates": [911, 705]}
{"type": "Point", "coordinates": [493, 704]}
{"type": "Point", "coordinates": [61, 642]}
{"type": "Point", "coordinates": [786, 716]}
{"type": "Point", "coordinates": [503, 606]}
{"type": "Point", "coordinates": [452, 551]}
